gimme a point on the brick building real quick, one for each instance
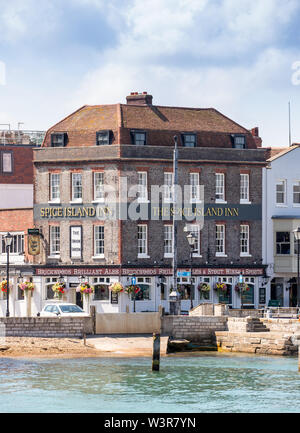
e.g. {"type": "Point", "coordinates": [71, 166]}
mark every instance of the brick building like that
{"type": "Point", "coordinates": [16, 210]}
{"type": "Point", "coordinates": [104, 146]}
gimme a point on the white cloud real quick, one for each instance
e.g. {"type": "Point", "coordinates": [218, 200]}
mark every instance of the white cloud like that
{"type": "Point", "coordinates": [20, 18]}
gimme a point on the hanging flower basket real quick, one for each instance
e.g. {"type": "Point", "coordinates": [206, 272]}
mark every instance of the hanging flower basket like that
{"type": "Point", "coordinates": [221, 287]}
{"type": "Point", "coordinates": [26, 286]}
{"type": "Point", "coordinates": [116, 287]}
{"type": "Point", "coordinates": [241, 287]}
{"type": "Point", "coordinates": [58, 289]}
{"type": "Point", "coordinates": [3, 286]}
{"type": "Point", "coordinates": [132, 289]}
{"type": "Point", "coordinates": [85, 288]}
{"type": "Point", "coordinates": [204, 287]}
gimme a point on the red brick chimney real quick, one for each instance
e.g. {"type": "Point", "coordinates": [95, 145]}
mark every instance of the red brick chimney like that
{"type": "Point", "coordinates": [136, 98]}
{"type": "Point", "coordinates": [255, 134]}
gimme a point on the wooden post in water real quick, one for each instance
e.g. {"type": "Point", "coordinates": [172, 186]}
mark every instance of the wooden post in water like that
{"type": "Point", "coordinates": [156, 352]}
{"type": "Point", "coordinates": [299, 358]}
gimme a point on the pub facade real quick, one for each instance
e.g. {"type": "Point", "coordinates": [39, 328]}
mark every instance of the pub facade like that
{"type": "Point", "coordinates": [101, 219]}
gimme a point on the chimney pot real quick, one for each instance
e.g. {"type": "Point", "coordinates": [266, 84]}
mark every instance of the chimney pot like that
{"type": "Point", "coordinates": [136, 98]}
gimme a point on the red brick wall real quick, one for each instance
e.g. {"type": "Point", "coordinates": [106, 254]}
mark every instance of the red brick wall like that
{"type": "Point", "coordinates": [22, 165]}
{"type": "Point", "coordinates": [17, 220]}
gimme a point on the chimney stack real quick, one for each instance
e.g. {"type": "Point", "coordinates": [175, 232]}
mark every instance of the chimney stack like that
{"type": "Point", "coordinates": [255, 135]}
{"type": "Point", "coordinates": [136, 98]}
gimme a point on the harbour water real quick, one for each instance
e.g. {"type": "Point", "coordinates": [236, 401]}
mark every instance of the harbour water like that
{"type": "Point", "coordinates": [209, 382]}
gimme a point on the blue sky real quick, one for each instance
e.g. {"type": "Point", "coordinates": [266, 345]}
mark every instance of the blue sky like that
{"type": "Point", "coordinates": [234, 55]}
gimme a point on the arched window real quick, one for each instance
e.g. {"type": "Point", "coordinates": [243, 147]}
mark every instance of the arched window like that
{"type": "Point", "coordinates": [101, 286]}
{"type": "Point", "coordinates": [49, 294]}
{"type": "Point", "coordinates": [248, 296]}
{"type": "Point", "coordinates": [226, 297]}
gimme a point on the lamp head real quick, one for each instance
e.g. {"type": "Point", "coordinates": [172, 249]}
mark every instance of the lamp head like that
{"type": "Point", "coordinates": [191, 239]}
{"type": "Point", "coordinates": [8, 239]}
{"type": "Point", "coordinates": [297, 233]}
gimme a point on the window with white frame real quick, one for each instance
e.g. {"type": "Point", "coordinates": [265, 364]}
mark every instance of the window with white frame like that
{"type": "Point", "coordinates": [244, 188]}
{"type": "Point", "coordinates": [6, 163]}
{"type": "Point", "coordinates": [17, 244]}
{"type": "Point", "coordinates": [189, 140]}
{"type": "Point", "coordinates": [168, 240]}
{"type": "Point", "coordinates": [281, 192]}
{"type": "Point", "coordinates": [101, 286]}
{"type": "Point", "coordinates": [55, 187]}
{"type": "Point", "coordinates": [54, 241]}
{"type": "Point", "coordinates": [220, 187]}
{"type": "Point", "coordinates": [195, 230]}
{"type": "Point", "coordinates": [296, 193]}
{"type": "Point", "coordinates": [144, 294]}
{"type": "Point", "coordinates": [76, 186]}
{"type": "Point", "coordinates": [205, 295]}
{"type": "Point", "coordinates": [99, 186]}
{"type": "Point", "coordinates": [50, 281]}
{"type": "Point", "coordinates": [283, 243]}
{"type": "Point", "coordinates": [99, 240]}
{"type": "Point", "coordinates": [244, 239]}
{"type": "Point", "coordinates": [142, 240]}
{"type": "Point", "coordinates": [220, 239]}
{"type": "Point", "coordinates": [142, 185]}
{"type": "Point", "coordinates": [195, 187]}
{"type": "Point", "coordinates": [168, 187]}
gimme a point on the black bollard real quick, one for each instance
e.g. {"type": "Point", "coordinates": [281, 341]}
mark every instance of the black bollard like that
{"type": "Point", "coordinates": [156, 352]}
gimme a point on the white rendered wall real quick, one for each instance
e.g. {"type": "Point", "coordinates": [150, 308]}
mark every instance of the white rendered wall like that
{"type": "Point", "coordinates": [14, 196]}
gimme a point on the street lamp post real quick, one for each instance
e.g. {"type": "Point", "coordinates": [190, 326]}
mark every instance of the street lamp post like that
{"type": "Point", "coordinates": [191, 240]}
{"type": "Point", "coordinates": [8, 240]}
{"type": "Point", "coordinates": [297, 238]}
{"type": "Point", "coordinates": [241, 290]}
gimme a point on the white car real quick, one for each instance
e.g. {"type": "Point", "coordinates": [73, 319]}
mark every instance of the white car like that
{"type": "Point", "coordinates": [62, 310]}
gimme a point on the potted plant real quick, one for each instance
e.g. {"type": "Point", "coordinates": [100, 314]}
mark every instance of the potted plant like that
{"type": "Point", "coordinates": [3, 286]}
{"type": "Point", "coordinates": [58, 289]}
{"type": "Point", "coordinates": [241, 287]}
{"type": "Point", "coordinates": [132, 290]}
{"type": "Point", "coordinates": [116, 287]}
{"type": "Point", "coordinates": [204, 289]}
{"type": "Point", "coordinates": [26, 286]}
{"type": "Point", "coordinates": [85, 288]}
{"type": "Point", "coordinates": [221, 288]}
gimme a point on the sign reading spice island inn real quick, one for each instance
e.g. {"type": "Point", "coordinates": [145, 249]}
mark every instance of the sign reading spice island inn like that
{"type": "Point", "coordinates": [147, 211]}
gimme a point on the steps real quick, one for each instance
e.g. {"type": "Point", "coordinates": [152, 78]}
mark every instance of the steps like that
{"type": "Point", "coordinates": [255, 325]}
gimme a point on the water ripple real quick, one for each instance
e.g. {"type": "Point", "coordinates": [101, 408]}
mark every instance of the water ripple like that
{"type": "Point", "coordinates": [209, 383]}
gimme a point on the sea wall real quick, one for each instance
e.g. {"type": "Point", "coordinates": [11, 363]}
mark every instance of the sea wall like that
{"type": "Point", "coordinates": [267, 343]}
{"type": "Point", "coordinates": [72, 327]}
{"type": "Point", "coordinates": [193, 328]}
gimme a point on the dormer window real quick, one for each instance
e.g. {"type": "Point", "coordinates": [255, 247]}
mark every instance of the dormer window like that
{"type": "Point", "coordinates": [103, 138]}
{"type": "Point", "coordinates": [189, 140]}
{"type": "Point", "coordinates": [138, 138]}
{"type": "Point", "coordinates": [239, 141]}
{"type": "Point", "coordinates": [59, 139]}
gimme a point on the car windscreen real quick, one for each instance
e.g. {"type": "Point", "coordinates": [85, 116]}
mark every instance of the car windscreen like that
{"type": "Point", "coordinates": [71, 309]}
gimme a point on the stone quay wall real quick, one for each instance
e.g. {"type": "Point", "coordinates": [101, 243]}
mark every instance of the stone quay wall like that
{"type": "Point", "coordinates": [267, 343]}
{"type": "Point", "coordinates": [282, 325]}
{"type": "Point", "coordinates": [197, 328]}
{"type": "Point", "coordinates": [47, 327]}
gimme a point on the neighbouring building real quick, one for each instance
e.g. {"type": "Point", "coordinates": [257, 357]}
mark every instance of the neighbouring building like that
{"type": "Point", "coordinates": [97, 146]}
{"type": "Point", "coordinates": [281, 186]}
{"type": "Point", "coordinates": [16, 212]}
